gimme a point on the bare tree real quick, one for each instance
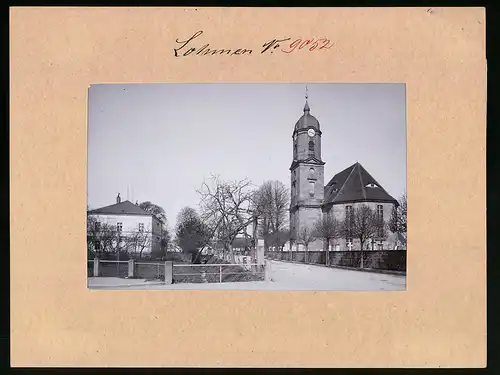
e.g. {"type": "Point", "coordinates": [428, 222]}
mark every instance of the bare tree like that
{"type": "Point", "coordinates": [227, 209]}
{"type": "Point", "coordinates": [306, 236]}
{"type": "Point", "coordinates": [272, 200]}
{"type": "Point", "coordinates": [101, 237]}
{"type": "Point", "coordinates": [397, 222]}
{"type": "Point", "coordinates": [327, 228]}
{"type": "Point", "coordinates": [360, 224]}
{"type": "Point", "coordinates": [138, 241]}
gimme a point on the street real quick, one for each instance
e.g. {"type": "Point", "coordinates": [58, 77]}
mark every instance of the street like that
{"type": "Point", "coordinates": [280, 276]}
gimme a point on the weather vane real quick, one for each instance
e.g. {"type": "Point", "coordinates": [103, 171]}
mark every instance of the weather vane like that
{"type": "Point", "coordinates": [306, 92]}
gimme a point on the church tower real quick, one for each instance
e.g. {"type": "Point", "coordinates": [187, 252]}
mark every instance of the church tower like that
{"type": "Point", "coordinates": [307, 174]}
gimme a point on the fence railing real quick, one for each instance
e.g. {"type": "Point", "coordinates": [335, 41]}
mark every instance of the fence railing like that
{"type": "Point", "coordinates": [169, 272]}
{"type": "Point", "coordinates": [218, 272]}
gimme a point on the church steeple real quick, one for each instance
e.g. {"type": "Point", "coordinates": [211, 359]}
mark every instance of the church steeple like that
{"type": "Point", "coordinates": [306, 107]}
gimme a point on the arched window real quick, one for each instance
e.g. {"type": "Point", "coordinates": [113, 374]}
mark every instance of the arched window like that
{"type": "Point", "coordinates": [311, 147]}
{"type": "Point", "coordinates": [295, 150]}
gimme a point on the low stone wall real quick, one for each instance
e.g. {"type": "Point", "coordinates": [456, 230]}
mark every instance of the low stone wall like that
{"type": "Point", "coordinates": [391, 260]}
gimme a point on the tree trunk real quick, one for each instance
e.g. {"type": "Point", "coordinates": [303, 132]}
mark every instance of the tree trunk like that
{"type": "Point", "coordinates": [231, 255]}
{"type": "Point", "coordinates": [362, 243]}
{"type": "Point", "coordinates": [327, 255]}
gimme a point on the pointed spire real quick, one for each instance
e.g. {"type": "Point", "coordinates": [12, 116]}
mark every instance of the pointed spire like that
{"type": "Point", "coordinates": [306, 107]}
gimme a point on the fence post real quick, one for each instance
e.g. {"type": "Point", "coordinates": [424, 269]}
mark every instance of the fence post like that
{"type": "Point", "coordinates": [220, 274]}
{"type": "Point", "coordinates": [168, 272]}
{"type": "Point", "coordinates": [130, 268]}
{"type": "Point", "coordinates": [96, 266]}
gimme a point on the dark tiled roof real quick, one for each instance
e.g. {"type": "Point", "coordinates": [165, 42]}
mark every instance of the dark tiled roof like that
{"type": "Point", "coordinates": [353, 184]}
{"type": "Point", "coordinates": [125, 207]}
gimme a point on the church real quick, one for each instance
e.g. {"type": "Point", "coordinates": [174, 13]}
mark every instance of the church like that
{"type": "Point", "coordinates": [352, 187]}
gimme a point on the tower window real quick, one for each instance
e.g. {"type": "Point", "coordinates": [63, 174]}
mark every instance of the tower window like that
{"type": "Point", "coordinates": [295, 151]}
{"type": "Point", "coordinates": [311, 146]}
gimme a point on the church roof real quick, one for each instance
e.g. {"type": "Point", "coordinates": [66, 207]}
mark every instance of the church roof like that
{"type": "Point", "coordinates": [307, 119]}
{"type": "Point", "coordinates": [355, 184]}
{"type": "Point", "coordinates": [122, 208]}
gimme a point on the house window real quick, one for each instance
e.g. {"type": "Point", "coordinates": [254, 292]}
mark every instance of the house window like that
{"type": "Point", "coordinates": [141, 227]}
{"type": "Point", "coordinates": [119, 227]}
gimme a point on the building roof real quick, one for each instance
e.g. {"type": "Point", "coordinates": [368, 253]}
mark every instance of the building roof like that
{"type": "Point", "coordinates": [307, 120]}
{"type": "Point", "coordinates": [355, 184]}
{"type": "Point", "coordinates": [241, 242]}
{"type": "Point", "coordinates": [122, 208]}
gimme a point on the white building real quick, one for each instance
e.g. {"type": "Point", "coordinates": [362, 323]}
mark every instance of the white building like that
{"type": "Point", "coordinates": [139, 231]}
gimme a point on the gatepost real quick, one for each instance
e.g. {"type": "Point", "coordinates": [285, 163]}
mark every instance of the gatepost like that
{"type": "Point", "coordinates": [169, 272]}
{"type": "Point", "coordinates": [96, 266]}
{"type": "Point", "coordinates": [260, 256]}
{"type": "Point", "coordinates": [130, 268]}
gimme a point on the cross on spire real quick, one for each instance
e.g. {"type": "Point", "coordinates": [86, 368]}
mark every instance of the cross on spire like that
{"type": "Point", "coordinates": [306, 107]}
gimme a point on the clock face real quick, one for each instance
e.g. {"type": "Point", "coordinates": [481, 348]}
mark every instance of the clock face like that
{"type": "Point", "coordinates": [311, 132]}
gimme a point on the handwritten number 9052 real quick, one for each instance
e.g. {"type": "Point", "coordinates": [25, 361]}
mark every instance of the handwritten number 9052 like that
{"type": "Point", "coordinates": [311, 44]}
{"type": "Point", "coordinates": [298, 44]}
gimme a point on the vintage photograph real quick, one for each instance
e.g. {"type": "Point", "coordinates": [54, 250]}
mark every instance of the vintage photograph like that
{"type": "Point", "coordinates": [239, 186]}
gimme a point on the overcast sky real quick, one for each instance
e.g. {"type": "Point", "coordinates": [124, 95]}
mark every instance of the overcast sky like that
{"type": "Point", "coordinates": [160, 141]}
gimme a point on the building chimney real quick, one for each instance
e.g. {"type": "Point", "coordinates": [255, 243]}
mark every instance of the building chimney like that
{"type": "Point", "coordinates": [118, 199]}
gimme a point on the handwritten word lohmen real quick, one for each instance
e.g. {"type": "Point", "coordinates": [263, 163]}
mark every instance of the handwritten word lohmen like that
{"type": "Point", "coordinates": [186, 47]}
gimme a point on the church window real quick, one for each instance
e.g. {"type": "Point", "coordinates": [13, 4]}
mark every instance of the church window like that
{"type": "Point", "coordinates": [380, 212]}
{"type": "Point", "coordinates": [380, 219]}
{"type": "Point", "coordinates": [293, 187]}
{"type": "Point", "coordinates": [349, 218]}
{"type": "Point", "coordinates": [311, 147]}
{"type": "Point", "coordinates": [295, 151]}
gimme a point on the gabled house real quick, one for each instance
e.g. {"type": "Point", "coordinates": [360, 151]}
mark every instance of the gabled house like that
{"type": "Point", "coordinates": [133, 229]}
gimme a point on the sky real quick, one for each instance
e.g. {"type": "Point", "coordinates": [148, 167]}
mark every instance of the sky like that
{"type": "Point", "coordinates": [158, 142]}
